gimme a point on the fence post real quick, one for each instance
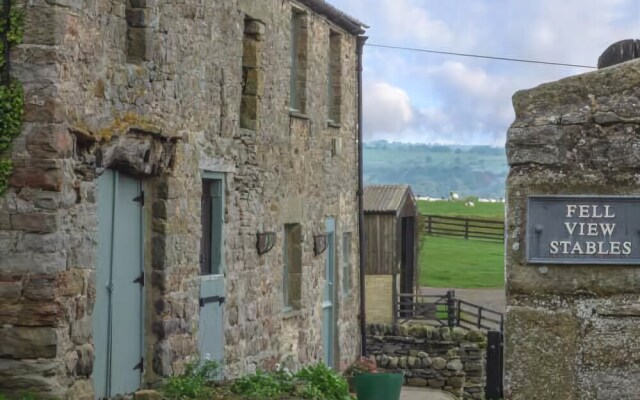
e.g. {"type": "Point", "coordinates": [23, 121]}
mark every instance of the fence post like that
{"type": "Point", "coordinates": [466, 228]}
{"type": "Point", "coordinates": [479, 317]}
{"type": "Point", "coordinates": [429, 224]}
{"type": "Point", "coordinates": [451, 308]}
{"type": "Point", "coordinates": [396, 308]}
{"type": "Point", "coordinates": [493, 387]}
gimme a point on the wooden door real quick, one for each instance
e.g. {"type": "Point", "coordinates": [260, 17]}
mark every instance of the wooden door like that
{"type": "Point", "coordinates": [212, 291]}
{"type": "Point", "coordinates": [328, 301]}
{"type": "Point", "coordinates": [117, 315]}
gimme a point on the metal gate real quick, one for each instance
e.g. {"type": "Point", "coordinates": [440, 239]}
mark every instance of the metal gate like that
{"type": "Point", "coordinates": [117, 315]}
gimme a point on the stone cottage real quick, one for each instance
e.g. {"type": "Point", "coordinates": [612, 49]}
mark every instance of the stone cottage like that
{"type": "Point", "coordinates": [185, 184]}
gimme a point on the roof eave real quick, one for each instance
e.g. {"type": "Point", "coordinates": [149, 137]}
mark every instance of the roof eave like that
{"type": "Point", "coordinates": [336, 16]}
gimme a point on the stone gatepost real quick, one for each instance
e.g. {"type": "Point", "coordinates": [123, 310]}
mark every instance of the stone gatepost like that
{"type": "Point", "coordinates": [573, 245]}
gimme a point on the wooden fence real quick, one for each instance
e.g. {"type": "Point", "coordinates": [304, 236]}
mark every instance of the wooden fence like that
{"type": "Point", "coordinates": [468, 228]}
{"type": "Point", "coordinates": [446, 310]}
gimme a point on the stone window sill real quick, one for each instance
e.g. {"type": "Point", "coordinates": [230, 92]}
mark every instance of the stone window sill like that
{"type": "Point", "coordinates": [332, 124]}
{"type": "Point", "coordinates": [298, 115]}
{"type": "Point", "coordinates": [289, 313]}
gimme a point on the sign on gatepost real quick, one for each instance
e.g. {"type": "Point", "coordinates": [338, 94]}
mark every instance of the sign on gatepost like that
{"type": "Point", "coordinates": [583, 230]}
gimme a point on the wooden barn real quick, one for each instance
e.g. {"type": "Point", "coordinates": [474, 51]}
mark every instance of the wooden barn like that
{"type": "Point", "coordinates": [390, 230]}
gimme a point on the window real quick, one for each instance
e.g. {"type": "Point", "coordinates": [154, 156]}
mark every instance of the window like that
{"type": "Point", "coordinates": [334, 78]}
{"type": "Point", "coordinates": [346, 262]}
{"type": "Point", "coordinates": [252, 83]}
{"type": "Point", "coordinates": [137, 16]}
{"type": "Point", "coordinates": [292, 254]}
{"type": "Point", "coordinates": [211, 245]}
{"type": "Point", "coordinates": [298, 83]}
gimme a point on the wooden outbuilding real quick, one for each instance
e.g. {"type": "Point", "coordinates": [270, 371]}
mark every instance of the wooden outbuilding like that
{"type": "Point", "coordinates": [390, 227]}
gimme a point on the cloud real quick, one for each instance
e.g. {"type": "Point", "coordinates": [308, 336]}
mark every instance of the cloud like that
{"type": "Point", "coordinates": [387, 110]}
{"type": "Point", "coordinates": [410, 96]}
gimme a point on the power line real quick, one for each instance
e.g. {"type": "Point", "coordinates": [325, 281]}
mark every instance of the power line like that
{"type": "Point", "coordinates": [450, 53]}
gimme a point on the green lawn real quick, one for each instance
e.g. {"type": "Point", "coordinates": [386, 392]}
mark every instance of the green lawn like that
{"type": "Point", "coordinates": [460, 263]}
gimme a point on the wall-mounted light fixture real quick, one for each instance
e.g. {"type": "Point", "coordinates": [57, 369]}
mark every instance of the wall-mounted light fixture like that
{"type": "Point", "coordinates": [319, 243]}
{"type": "Point", "coordinates": [266, 241]}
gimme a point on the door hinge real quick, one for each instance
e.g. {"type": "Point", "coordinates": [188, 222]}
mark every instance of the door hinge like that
{"type": "Point", "coordinates": [140, 365]}
{"type": "Point", "coordinates": [140, 198]}
{"type": "Point", "coordinates": [140, 279]}
{"type": "Point", "coordinates": [212, 299]}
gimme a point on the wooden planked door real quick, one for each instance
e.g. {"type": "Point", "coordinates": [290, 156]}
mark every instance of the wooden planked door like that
{"type": "Point", "coordinates": [117, 314]}
{"type": "Point", "coordinates": [212, 293]}
{"type": "Point", "coordinates": [328, 301]}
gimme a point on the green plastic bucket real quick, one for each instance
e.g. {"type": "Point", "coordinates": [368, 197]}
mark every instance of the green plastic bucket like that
{"type": "Point", "coordinates": [378, 386]}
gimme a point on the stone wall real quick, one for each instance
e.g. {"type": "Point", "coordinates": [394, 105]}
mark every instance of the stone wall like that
{"type": "Point", "coordinates": [164, 107]}
{"type": "Point", "coordinates": [572, 330]}
{"type": "Point", "coordinates": [449, 359]}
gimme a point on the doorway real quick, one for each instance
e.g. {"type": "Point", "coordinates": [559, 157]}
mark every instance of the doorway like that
{"type": "Point", "coordinates": [212, 292]}
{"type": "Point", "coordinates": [117, 314]}
{"type": "Point", "coordinates": [328, 301]}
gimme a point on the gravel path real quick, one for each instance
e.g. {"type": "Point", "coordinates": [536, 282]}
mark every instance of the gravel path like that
{"type": "Point", "coordinates": [493, 299]}
{"type": "Point", "coordinates": [413, 393]}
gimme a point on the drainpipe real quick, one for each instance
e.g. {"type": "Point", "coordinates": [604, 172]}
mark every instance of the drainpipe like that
{"type": "Point", "coordinates": [361, 238]}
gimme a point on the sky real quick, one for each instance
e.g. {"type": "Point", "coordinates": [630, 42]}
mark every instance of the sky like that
{"type": "Point", "coordinates": [429, 98]}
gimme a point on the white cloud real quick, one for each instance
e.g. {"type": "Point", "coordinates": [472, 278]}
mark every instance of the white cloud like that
{"type": "Point", "coordinates": [386, 108]}
{"type": "Point", "coordinates": [423, 97]}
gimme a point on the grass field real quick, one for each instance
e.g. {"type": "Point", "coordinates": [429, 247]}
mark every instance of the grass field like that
{"type": "Point", "coordinates": [458, 209]}
{"type": "Point", "coordinates": [460, 263]}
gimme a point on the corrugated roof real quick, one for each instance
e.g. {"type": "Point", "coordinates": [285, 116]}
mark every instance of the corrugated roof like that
{"type": "Point", "coordinates": [384, 198]}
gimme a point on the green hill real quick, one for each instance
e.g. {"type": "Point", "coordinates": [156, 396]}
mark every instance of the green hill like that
{"type": "Point", "coordinates": [436, 170]}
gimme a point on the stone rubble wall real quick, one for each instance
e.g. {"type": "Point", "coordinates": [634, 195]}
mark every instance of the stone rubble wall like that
{"type": "Point", "coordinates": [452, 360]}
{"type": "Point", "coordinates": [571, 331]}
{"type": "Point", "coordinates": [177, 95]}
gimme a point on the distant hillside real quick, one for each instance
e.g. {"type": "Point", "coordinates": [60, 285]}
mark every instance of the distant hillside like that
{"type": "Point", "coordinates": [435, 170]}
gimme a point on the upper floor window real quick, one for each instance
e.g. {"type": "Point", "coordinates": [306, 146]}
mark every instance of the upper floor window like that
{"type": "Point", "coordinates": [334, 78]}
{"type": "Point", "coordinates": [298, 83]}
{"type": "Point", "coordinates": [346, 262]}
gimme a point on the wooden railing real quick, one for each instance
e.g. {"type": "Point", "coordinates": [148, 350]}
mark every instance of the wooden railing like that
{"type": "Point", "coordinates": [446, 310]}
{"type": "Point", "coordinates": [468, 228]}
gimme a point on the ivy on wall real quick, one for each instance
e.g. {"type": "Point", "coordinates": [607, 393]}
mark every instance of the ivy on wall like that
{"type": "Point", "coordinates": [11, 93]}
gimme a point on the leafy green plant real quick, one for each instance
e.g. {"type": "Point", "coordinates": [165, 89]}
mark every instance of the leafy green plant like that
{"type": "Point", "coordinates": [11, 93]}
{"type": "Point", "coordinates": [264, 385]}
{"type": "Point", "coordinates": [195, 383]}
{"type": "Point", "coordinates": [323, 383]}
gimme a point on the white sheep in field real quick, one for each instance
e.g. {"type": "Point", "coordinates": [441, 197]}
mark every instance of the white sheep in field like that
{"type": "Point", "coordinates": [454, 196]}
{"type": "Point", "coordinates": [469, 204]}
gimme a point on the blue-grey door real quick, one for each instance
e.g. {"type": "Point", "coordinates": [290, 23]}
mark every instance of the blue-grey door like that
{"type": "Point", "coordinates": [328, 316]}
{"type": "Point", "coordinates": [212, 295]}
{"type": "Point", "coordinates": [117, 314]}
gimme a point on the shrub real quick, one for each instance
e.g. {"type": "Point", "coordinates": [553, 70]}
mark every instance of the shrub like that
{"type": "Point", "coordinates": [195, 383]}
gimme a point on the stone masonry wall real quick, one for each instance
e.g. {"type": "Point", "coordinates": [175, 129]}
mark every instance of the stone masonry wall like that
{"type": "Point", "coordinates": [572, 331]}
{"type": "Point", "coordinates": [163, 111]}
{"type": "Point", "coordinates": [452, 360]}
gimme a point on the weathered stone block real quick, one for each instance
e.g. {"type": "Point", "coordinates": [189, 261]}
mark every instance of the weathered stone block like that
{"type": "Point", "coordinates": [27, 342]}
{"type": "Point", "coordinates": [36, 222]}
{"type": "Point", "coordinates": [438, 363]}
{"type": "Point", "coordinates": [48, 140]}
{"type": "Point", "coordinates": [416, 382]}
{"type": "Point", "coordinates": [38, 173]}
{"type": "Point", "coordinates": [541, 353]}
{"type": "Point", "coordinates": [251, 53]}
